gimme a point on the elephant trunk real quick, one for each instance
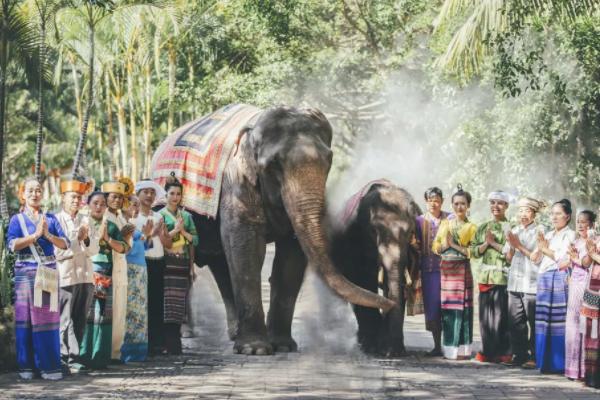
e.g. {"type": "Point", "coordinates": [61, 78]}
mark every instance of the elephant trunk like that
{"type": "Point", "coordinates": [304, 199]}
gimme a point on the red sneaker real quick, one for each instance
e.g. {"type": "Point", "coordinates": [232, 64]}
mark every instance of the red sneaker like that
{"type": "Point", "coordinates": [504, 359]}
{"type": "Point", "coordinates": [481, 357]}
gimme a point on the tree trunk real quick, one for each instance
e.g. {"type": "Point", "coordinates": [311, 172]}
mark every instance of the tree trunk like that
{"type": "Point", "coordinates": [147, 121]}
{"type": "Point", "coordinates": [77, 91]}
{"type": "Point", "coordinates": [132, 126]}
{"type": "Point", "coordinates": [40, 122]}
{"type": "Point", "coordinates": [171, 105]}
{"type": "Point", "coordinates": [122, 124]}
{"type": "Point", "coordinates": [90, 105]}
{"type": "Point", "coordinates": [3, 65]}
{"type": "Point", "coordinates": [109, 126]}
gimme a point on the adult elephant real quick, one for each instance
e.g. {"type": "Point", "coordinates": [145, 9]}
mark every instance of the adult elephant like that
{"type": "Point", "coordinates": [273, 190]}
{"type": "Point", "coordinates": [376, 231]}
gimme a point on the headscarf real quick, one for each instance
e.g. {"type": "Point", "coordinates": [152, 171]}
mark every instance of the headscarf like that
{"type": "Point", "coordinates": [501, 196]}
{"type": "Point", "coordinates": [150, 184]}
{"type": "Point", "coordinates": [535, 205]}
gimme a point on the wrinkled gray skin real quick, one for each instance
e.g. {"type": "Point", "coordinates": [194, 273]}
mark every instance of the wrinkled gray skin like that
{"type": "Point", "coordinates": [379, 235]}
{"type": "Point", "coordinates": [273, 191]}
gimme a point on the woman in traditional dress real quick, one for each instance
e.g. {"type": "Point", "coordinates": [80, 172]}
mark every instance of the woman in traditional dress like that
{"type": "Point", "coordinates": [452, 244]}
{"type": "Point", "coordinates": [551, 302]}
{"type": "Point", "coordinates": [580, 263]}
{"type": "Point", "coordinates": [96, 349]}
{"type": "Point", "coordinates": [135, 344]}
{"type": "Point", "coordinates": [590, 314]}
{"type": "Point", "coordinates": [179, 263]}
{"type": "Point", "coordinates": [427, 227]}
{"type": "Point", "coordinates": [32, 236]}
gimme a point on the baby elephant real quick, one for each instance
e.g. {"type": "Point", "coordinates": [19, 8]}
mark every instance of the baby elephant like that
{"type": "Point", "coordinates": [375, 232]}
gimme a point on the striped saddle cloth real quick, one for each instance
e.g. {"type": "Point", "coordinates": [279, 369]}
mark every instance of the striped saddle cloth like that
{"type": "Point", "coordinates": [198, 153]}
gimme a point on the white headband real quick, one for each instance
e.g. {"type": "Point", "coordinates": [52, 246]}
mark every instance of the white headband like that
{"type": "Point", "coordinates": [502, 196]}
{"type": "Point", "coordinates": [148, 184]}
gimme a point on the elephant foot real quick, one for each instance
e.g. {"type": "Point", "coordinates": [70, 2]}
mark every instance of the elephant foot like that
{"type": "Point", "coordinates": [253, 346]}
{"type": "Point", "coordinates": [284, 344]}
{"type": "Point", "coordinates": [232, 329]}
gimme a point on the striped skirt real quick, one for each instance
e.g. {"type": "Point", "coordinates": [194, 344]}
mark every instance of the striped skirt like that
{"type": "Point", "coordinates": [97, 338]}
{"type": "Point", "coordinates": [574, 353]}
{"type": "Point", "coordinates": [590, 311]}
{"type": "Point", "coordinates": [36, 328]}
{"type": "Point", "coordinates": [177, 282]}
{"type": "Point", "coordinates": [550, 316]}
{"type": "Point", "coordinates": [457, 308]}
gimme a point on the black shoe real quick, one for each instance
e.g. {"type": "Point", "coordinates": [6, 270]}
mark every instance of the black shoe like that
{"type": "Point", "coordinates": [515, 362]}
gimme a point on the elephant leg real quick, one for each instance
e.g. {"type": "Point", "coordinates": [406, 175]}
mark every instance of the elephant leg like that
{"type": "Point", "coordinates": [287, 276]}
{"type": "Point", "coordinates": [245, 246]}
{"type": "Point", "coordinates": [393, 321]}
{"type": "Point", "coordinates": [369, 319]}
{"type": "Point", "coordinates": [220, 271]}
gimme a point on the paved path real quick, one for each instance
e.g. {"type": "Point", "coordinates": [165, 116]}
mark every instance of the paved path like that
{"type": "Point", "coordinates": [327, 366]}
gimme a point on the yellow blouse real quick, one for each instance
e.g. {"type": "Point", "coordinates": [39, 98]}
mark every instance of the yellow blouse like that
{"type": "Point", "coordinates": [462, 232]}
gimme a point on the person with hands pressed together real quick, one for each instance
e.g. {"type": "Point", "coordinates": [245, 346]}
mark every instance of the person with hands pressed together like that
{"type": "Point", "coordinates": [75, 270]}
{"type": "Point", "coordinates": [179, 260]}
{"type": "Point", "coordinates": [590, 315]}
{"type": "Point", "coordinates": [522, 283]}
{"type": "Point", "coordinates": [551, 254]}
{"type": "Point", "coordinates": [98, 337]}
{"type": "Point", "coordinates": [452, 244]}
{"type": "Point", "coordinates": [580, 263]}
{"type": "Point", "coordinates": [427, 227]}
{"type": "Point", "coordinates": [488, 245]}
{"type": "Point", "coordinates": [148, 192]}
{"type": "Point", "coordinates": [135, 343]}
{"type": "Point", "coordinates": [33, 235]}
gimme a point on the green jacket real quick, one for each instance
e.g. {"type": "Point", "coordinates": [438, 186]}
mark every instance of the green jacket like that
{"type": "Point", "coordinates": [494, 267]}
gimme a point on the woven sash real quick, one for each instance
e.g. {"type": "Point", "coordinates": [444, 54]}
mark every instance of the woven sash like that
{"type": "Point", "coordinates": [46, 278]}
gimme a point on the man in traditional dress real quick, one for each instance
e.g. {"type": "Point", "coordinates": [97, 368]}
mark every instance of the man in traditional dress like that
{"type": "Point", "coordinates": [148, 191]}
{"type": "Point", "coordinates": [75, 271]}
{"type": "Point", "coordinates": [492, 277]}
{"type": "Point", "coordinates": [522, 284]}
{"type": "Point", "coordinates": [427, 227]}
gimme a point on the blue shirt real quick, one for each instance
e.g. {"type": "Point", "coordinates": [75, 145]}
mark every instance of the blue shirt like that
{"type": "Point", "coordinates": [14, 232]}
{"type": "Point", "coordinates": [138, 249]}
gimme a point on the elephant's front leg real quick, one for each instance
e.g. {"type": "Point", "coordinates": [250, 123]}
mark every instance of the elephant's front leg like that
{"type": "Point", "coordinates": [244, 245]}
{"type": "Point", "coordinates": [288, 272]}
{"type": "Point", "coordinates": [393, 321]}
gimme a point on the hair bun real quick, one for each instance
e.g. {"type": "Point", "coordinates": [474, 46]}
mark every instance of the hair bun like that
{"type": "Point", "coordinates": [172, 179]}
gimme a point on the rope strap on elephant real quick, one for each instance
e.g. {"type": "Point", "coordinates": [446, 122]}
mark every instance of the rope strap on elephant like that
{"type": "Point", "coordinates": [198, 153]}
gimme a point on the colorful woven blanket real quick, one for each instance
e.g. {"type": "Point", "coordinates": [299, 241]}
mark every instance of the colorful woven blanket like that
{"type": "Point", "coordinates": [351, 207]}
{"type": "Point", "coordinates": [198, 152]}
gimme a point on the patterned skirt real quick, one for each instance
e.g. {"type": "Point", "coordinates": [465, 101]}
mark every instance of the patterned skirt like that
{"type": "Point", "coordinates": [550, 316]}
{"type": "Point", "coordinates": [590, 311]}
{"type": "Point", "coordinates": [574, 353]}
{"type": "Point", "coordinates": [135, 344]}
{"type": "Point", "coordinates": [457, 308]}
{"type": "Point", "coordinates": [97, 338]}
{"type": "Point", "coordinates": [177, 281]}
{"type": "Point", "coordinates": [36, 328]}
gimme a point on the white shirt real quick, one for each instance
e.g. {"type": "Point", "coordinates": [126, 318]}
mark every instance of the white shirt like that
{"type": "Point", "coordinates": [74, 263]}
{"type": "Point", "coordinates": [559, 243]}
{"type": "Point", "coordinates": [156, 250]}
{"type": "Point", "coordinates": [523, 273]}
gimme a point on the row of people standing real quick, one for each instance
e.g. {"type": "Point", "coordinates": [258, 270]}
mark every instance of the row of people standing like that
{"type": "Point", "coordinates": [538, 292]}
{"type": "Point", "coordinates": [110, 285]}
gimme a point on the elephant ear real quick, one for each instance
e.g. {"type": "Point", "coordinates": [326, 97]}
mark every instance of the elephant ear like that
{"type": "Point", "coordinates": [243, 165]}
